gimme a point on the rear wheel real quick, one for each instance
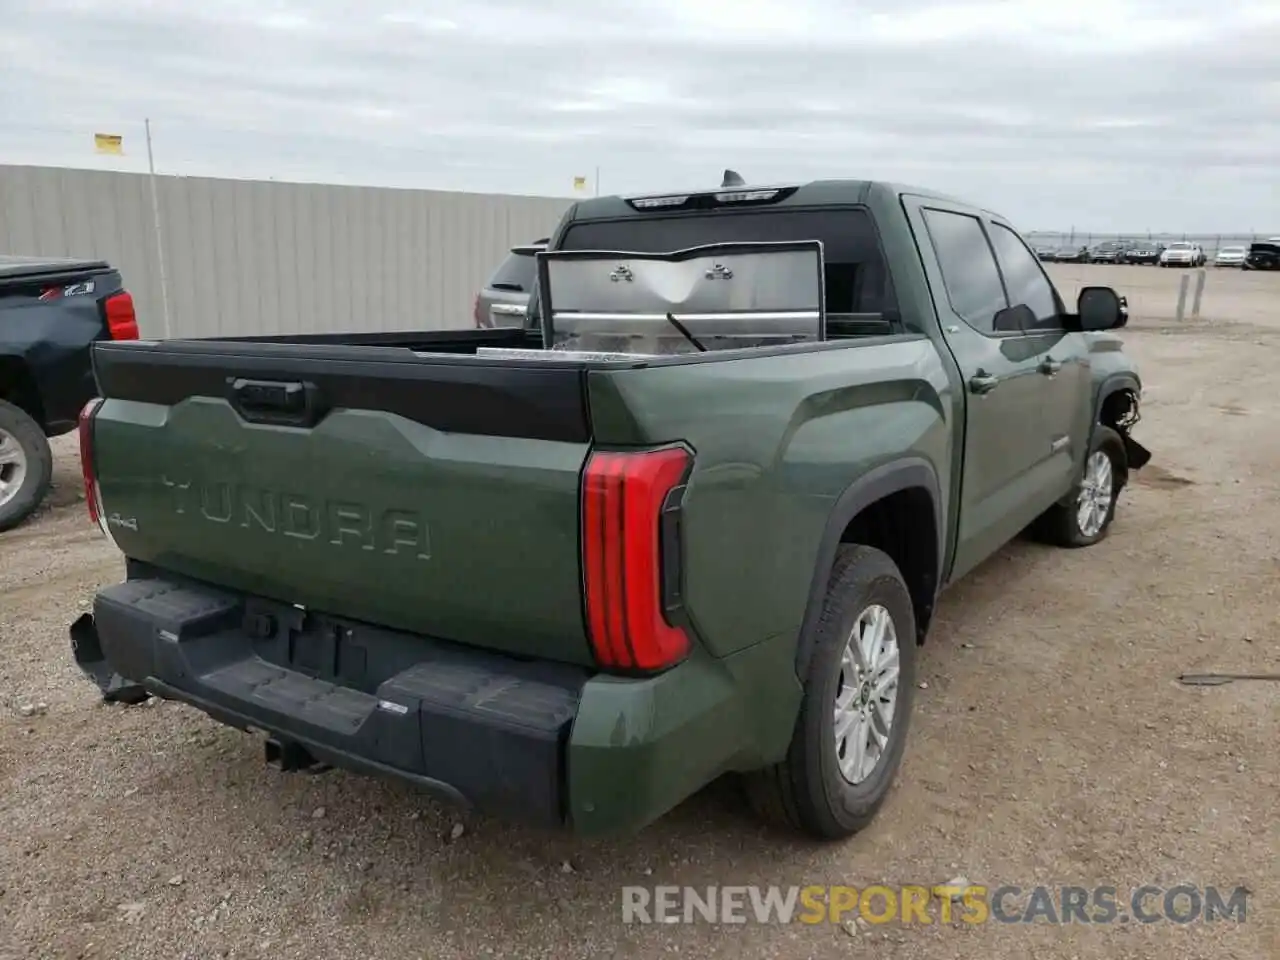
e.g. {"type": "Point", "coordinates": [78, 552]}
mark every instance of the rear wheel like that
{"type": "Point", "coordinates": [26, 465]}
{"type": "Point", "coordinates": [858, 671]}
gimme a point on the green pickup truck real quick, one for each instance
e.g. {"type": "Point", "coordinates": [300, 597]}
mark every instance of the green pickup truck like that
{"type": "Point", "coordinates": [574, 581]}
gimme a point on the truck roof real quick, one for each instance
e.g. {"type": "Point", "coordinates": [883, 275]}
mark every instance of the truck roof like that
{"type": "Point", "coordinates": [810, 194]}
{"type": "Point", "coordinates": [14, 267]}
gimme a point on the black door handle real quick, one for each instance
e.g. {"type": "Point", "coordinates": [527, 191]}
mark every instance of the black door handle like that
{"type": "Point", "coordinates": [983, 383]}
{"type": "Point", "coordinates": [1050, 366]}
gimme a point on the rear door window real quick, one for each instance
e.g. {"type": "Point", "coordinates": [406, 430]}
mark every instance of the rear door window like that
{"type": "Point", "coordinates": [969, 270]}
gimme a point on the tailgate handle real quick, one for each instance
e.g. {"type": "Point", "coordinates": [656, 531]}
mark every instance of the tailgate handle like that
{"type": "Point", "coordinates": [275, 401]}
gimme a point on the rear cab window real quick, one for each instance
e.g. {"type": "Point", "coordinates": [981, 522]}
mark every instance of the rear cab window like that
{"type": "Point", "coordinates": [857, 281]}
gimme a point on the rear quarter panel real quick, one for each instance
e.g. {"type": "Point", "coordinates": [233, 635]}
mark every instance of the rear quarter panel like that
{"type": "Point", "coordinates": [44, 347]}
{"type": "Point", "coordinates": [777, 439]}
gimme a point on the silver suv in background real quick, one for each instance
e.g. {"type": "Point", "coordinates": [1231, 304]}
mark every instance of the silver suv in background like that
{"type": "Point", "coordinates": [504, 299]}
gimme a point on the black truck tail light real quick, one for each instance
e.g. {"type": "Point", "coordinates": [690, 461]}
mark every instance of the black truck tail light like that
{"type": "Point", "coordinates": [92, 496]}
{"type": "Point", "coordinates": [631, 504]}
{"type": "Point", "coordinates": [122, 320]}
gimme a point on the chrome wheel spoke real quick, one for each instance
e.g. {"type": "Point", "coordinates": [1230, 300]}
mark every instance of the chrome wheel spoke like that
{"type": "Point", "coordinates": [856, 752]}
{"type": "Point", "coordinates": [878, 725]}
{"type": "Point", "coordinates": [850, 667]}
{"type": "Point", "coordinates": [885, 682]}
{"type": "Point", "coordinates": [873, 637]}
{"type": "Point", "coordinates": [846, 699]}
{"type": "Point", "coordinates": [846, 721]}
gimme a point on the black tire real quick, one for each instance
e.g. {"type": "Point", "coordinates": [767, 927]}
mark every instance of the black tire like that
{"type": "Point", "coordinates": [1060, 524]}
{"type": "Point", "coordinates": [807, 792]}
{"type": "Point", "coordinates": [16, 425]}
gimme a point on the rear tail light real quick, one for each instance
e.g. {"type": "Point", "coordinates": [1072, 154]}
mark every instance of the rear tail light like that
{"type": "Point", "coordinates": [631, 551]}
{"type": "Point", "coordinates": [92, 495]}
{"type": "Point", "coordinates": [477, 314]}
{"type": "Point", "coordinates": [122, 321]}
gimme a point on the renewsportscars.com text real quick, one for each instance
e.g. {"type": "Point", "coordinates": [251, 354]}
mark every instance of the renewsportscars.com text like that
{"type": "Point", "coordinates": [923, 905]}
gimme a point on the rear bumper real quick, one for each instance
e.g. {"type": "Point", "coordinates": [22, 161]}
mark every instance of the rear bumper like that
{"type": "Point", "coordinates": [533, 741]}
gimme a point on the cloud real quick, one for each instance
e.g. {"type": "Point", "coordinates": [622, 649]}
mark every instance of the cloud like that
{"type": "Point", "coordinates": [1108, 116]}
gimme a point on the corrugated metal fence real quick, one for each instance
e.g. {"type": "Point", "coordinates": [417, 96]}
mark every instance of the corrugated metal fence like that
{"type": "Point", "coordinates": [261, 257]}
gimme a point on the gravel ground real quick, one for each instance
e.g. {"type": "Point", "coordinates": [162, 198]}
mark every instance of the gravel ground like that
{"type": "Point", "coordinates": [1051, 745]}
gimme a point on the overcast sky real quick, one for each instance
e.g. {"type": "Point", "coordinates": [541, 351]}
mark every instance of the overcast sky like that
{"type": "Point", "coordinates": [1098, 114]}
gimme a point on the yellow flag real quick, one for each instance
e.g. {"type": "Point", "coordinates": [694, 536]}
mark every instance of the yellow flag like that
{"type": "Point", "coordinates": [579, 183]}
{"type": "Point", "coordinates": [109, 143]}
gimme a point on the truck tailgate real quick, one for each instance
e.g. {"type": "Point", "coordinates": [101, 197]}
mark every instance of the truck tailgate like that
{"type": "Point", "coordinates": [438, 498]}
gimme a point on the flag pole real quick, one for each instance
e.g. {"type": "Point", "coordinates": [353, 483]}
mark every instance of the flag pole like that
{"type": "Point", "coordinates": [597, 181]}
{"type": "Point", "coordinates": [155, 213]}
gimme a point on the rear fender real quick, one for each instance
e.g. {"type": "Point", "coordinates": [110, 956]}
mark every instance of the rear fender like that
{"type": "Point", "coordinates": [883, 481]}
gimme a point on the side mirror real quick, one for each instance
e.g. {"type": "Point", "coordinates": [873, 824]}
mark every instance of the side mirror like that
{"type": "Point", "coordinates": [1100, 308]}
{"type": "Point", "coordinates": [1016, 319]}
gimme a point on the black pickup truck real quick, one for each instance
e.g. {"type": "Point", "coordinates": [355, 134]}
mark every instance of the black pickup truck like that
{"type": "Point", "coordinates": [1263, 256]}
{"type": "Point", "coordinates": [51, 312]}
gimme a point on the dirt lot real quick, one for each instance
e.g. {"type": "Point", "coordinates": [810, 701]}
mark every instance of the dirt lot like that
{"type": "Point", "coordinates": [1051, 745]}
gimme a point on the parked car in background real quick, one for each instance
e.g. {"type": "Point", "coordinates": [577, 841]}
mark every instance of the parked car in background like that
{"type": "Point", "coordinates": [1046, 253]}
{"type": "Point", "coordinates": [1182, 253]}
{"type": "Point", "coordinates": [1145, 252]}
{"type": "Point", "coordinates": [1263, 256]}
{"type": "Point", "coordinates": [1230, 257]}
{"type": "Point", "coordinates": [505, 298]}
{"type": "Point", "coordinates": [1072, 255]}
{"type": "Point", "coordinates": [1109, 251]}
{"type": "Point", "coordinates": [51, 312]}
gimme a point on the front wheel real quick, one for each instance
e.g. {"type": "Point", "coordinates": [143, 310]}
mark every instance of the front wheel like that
{"type": "Point", "coordinates": [1086, 519]}
{"type": "Point", "coordinates": [858, 671]}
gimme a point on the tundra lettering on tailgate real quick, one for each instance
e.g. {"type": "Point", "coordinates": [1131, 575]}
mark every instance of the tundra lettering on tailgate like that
{"type": "Point", "coordinates": [343, 523]}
